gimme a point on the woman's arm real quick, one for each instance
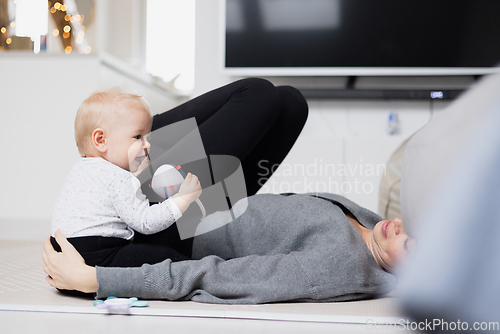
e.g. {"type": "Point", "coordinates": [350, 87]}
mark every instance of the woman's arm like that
{"type": "Point", "coordinates": [67, 269]}
{"type": "Point", "coordinates": [248, 280]}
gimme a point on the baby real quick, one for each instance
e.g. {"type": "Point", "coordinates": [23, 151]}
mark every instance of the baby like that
{"type": "Point", "coordinates": [101, 205]}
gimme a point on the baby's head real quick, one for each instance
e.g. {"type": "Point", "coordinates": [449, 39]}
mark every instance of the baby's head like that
{"type": "Point", "coordinates": [114, 125]}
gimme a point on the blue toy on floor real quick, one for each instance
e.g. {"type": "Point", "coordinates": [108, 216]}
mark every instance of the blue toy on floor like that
{"type": "Point", "coordinates": [119, 303]}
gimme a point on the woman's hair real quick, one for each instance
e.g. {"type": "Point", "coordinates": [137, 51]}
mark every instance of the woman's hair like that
{"type": "Point", "coordinates": [99, 111]}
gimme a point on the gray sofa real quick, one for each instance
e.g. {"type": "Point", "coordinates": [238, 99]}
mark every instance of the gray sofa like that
{"type": "Point", "coordinates": [450, 201]}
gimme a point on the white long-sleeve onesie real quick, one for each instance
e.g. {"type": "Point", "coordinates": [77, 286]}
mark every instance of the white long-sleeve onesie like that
{"type": "Point", "coordinates": [101, 199]}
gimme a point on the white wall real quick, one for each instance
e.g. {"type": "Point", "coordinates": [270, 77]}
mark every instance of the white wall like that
{"type": "Point", "coordinates": [122, 26]}
{"type": "Point", "coordinates": [338, 133]}
{"type": "Point", "coordinates": [39, 102]}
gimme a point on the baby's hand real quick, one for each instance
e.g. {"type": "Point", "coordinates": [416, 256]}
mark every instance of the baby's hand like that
{"type": "Point", "coordinates": [189, 191]}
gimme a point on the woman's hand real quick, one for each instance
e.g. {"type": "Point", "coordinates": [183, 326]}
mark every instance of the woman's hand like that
{"type": "Point", "coordinates": [189, 191]}
{"type": "Point", "coordinates": [67, 269]}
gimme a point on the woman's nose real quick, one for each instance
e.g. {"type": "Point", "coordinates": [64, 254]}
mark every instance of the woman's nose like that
{"type": "Point", "coordinates": [398, 226]}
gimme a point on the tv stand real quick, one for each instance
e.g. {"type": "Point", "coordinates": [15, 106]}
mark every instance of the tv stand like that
{"type": "Point", "coordinates": [351, 92]}
{"type": "Point", "coordinates": [382, 94]}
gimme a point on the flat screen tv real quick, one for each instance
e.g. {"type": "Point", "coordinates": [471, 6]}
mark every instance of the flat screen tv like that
{"type": "Point", "coordinates": [360, 37]}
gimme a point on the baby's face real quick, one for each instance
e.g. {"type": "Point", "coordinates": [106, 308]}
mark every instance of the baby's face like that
{"type": "Point", "coordinates": [127, 139]}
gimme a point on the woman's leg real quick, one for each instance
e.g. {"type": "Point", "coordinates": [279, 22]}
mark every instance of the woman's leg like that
{"type": "Point", "coordinates": [249, 119]}
{"type": "Point", "coordinates": [272, 149]}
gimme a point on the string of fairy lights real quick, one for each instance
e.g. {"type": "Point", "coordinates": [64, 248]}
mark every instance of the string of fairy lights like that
{"type": "Point", "coordinates": [73, 22]}
{"type": "Point", "coordinates": [69, 26]}
{"type": "Point", "coordinates": [4, 29]}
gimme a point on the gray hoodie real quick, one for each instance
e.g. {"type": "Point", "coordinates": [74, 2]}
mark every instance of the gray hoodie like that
{"type": "Point", "coordinates": [281, 248]}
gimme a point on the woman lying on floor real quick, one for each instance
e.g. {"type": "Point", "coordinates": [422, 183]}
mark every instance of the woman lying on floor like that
{"type": "Point", "coordinates": [290, 247]}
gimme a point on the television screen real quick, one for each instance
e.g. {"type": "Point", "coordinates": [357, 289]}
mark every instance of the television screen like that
{"type": "Point", "coordinates": [356, 37]}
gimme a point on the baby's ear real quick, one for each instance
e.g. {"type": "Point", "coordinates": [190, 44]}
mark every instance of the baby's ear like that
{"type": "Point", "coordinates": [99, 140]}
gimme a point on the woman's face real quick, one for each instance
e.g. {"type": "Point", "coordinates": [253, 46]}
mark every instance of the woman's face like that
{"type": "Point", "coordinates": [390, 243]}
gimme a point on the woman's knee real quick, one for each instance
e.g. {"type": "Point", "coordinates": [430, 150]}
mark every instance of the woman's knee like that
{"type": "Point", "coordinates": [294, 105]}
{"type": "Point", "coordinates": [286, 101]}
{"type": "Point", "coordinates": [258, 84]}
{"type": "Point", "coordinates": [262, 91]}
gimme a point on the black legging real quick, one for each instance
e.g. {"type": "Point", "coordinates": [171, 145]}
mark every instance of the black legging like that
{"type": "Point", "coordinates": [249, 119]}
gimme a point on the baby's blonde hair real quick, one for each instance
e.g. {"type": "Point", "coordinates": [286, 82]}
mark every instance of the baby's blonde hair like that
{"type": "Point", "coordinates": [99, 110]}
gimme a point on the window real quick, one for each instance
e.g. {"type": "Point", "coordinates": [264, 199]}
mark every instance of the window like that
{"type": "Point", "coordinates": [31, 20]}
{"type": "Point", "coordinates": [170, 41]}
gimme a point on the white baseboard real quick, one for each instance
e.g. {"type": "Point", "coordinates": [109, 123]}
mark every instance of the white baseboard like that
{"type": "Point", "coordinates": [24, 229]}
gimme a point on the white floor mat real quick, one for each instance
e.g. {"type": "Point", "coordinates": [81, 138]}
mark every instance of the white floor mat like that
{"type": "Point", "coordinates": [23, 288]}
